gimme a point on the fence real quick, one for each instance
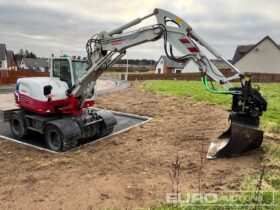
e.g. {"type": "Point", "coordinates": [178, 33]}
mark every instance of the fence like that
{"type": "Point", "coordinates": [255, 77]}
{"type": "Point", "coordinates": [10, 77]}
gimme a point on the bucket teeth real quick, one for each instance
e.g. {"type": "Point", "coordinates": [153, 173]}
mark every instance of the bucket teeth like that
{"type": "Point", "coordinates": [238, 139]}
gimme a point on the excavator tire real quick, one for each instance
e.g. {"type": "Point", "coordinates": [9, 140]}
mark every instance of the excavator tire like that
{"type": "Point", "coordinates": [17, 124]}
{"type": "Point", "coordinates": [54, 138]}
{"type": "Point", "coordinates": [104, 131]}
{"type": "Point", "coordinates": [62, 134]}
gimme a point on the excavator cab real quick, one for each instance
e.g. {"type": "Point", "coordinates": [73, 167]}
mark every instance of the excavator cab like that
{"type": "Point", "coordinates": [67, 69]}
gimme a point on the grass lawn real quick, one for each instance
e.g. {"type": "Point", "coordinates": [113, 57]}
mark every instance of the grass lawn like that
{"type": "Point", "coordinates": [270, 122]}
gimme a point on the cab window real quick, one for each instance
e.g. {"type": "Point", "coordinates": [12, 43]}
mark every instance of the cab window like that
{"type": "Point", "coordinates": [61, 69]}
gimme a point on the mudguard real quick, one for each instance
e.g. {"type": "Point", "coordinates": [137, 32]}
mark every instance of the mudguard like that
{"type": "Point", "coordinates": [69, 129]}
{"type": "Point", "coordinates": [108, 118]}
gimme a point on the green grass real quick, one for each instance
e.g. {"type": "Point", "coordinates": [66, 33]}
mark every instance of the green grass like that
{"type": "Point", "coordinates": [270, 121]}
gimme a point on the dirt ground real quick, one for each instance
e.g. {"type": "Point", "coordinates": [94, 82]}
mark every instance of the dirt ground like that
{"type": "Point", "coordinates": [128, 170]}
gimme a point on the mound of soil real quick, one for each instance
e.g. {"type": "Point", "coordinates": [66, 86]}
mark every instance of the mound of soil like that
{"type": "Point", "coordinates": [130, 169]}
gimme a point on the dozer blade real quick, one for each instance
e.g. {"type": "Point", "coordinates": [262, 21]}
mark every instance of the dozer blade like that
{"type": "Point", "coordinates": [237, 140]}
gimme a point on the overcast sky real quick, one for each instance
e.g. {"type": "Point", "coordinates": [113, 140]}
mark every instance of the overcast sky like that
{"type": "Point", "coordinates": [53, 26]}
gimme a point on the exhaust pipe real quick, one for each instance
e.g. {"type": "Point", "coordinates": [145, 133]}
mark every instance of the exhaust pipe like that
{"type": "Point", "coordinates": [244, 133]}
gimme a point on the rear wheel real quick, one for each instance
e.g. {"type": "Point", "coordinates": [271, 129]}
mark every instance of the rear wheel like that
{"type": "Point", "coordinates": [17, 125]}
{"type": "Point", "coordinates": [54, 138]}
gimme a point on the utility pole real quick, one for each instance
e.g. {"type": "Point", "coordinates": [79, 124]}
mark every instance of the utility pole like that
{"type": "Point", "coordinates": [126, 74]}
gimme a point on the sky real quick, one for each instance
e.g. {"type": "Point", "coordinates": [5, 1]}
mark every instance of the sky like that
{"type": "Point", "coordinates": [64, 26]}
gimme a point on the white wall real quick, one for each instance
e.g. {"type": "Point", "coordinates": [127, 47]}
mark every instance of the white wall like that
{"type": "Point", "coordinates": [4, 64]}
{"type": "Point", "coordinates": [190, 67]}
{"type": "Point", "coordinates": [159, 66]}
{"type": "Point", "coordinates": [264, 58]}
{"type": "Point", "coordinates": [22, 65]}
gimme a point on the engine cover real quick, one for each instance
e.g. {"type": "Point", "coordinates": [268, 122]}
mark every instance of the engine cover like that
{"type": "Point", "coordinates": [29, 94]}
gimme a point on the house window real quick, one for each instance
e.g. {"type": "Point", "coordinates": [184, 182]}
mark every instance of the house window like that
{"type": "Point", "coordinates": [178, 71]}
{"type": "Point", "coordinates": [159, 70]}
{"type": "Point", "coordinates": [0, 64]}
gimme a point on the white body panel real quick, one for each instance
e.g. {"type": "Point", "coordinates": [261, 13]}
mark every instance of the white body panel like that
{"type": "Point", "coordinates": [34, 88]}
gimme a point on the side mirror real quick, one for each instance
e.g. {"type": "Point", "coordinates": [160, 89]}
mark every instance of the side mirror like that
{"type": "Point", "coordinates": [47, 90]}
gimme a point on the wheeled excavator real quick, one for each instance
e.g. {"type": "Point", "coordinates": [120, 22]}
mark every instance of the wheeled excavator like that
{"type": "Point", "coordinates": [62, 110]}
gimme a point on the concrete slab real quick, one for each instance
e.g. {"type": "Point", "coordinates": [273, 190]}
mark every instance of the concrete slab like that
{"type": "Point", "coordinates": [125, 121]}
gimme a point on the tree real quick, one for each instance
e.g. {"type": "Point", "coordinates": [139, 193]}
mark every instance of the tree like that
{"type": "Point", "coordinates": [31, 55]}
{"type": "Point", "coordinates": [24, 54]}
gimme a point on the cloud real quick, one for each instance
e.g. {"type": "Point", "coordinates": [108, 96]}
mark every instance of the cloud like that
{"type": "Point", "coordinates": [52, 26]}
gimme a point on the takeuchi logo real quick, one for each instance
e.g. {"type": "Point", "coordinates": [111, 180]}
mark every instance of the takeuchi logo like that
{"type": "Point", "coordinates": [117, 42]}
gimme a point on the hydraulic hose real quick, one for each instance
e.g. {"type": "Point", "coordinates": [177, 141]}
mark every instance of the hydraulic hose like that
{"type": "Point", "coordinates": [205, 85]}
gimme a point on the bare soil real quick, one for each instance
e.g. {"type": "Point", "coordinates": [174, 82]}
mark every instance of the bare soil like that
{"type": "Point", "coordinates": [129, 170]}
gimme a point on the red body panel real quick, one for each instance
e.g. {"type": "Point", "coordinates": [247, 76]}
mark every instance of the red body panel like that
{"type": "Point", "coordinates": [66, 106]}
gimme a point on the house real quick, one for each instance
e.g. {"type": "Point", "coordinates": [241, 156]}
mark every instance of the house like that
{"type": "Point", "coordinates": [7, 59]}
{"type": "Point", "coordinates": [3, 57]}
{"type": "Point", "coordinates": [262, 57]}
{"type": "Point", "coordinates": [168, 66]}
{"type": "Point", "coordinates": [11, 59]}
{"type": "Point", "coordinates": [40, 64]}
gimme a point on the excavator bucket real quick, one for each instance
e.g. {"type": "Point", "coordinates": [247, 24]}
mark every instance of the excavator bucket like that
{"type": "Point", "coordinates": [244, 133]}
{"type": "Point", "coordinates": [238, 139]}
